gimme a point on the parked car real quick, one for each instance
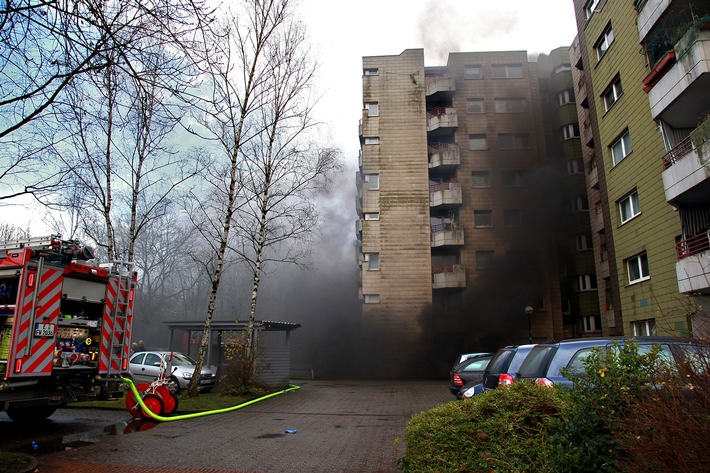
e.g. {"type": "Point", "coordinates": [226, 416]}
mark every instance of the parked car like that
{"type": "Point", "coordinates": [469, 371]}
{"type": "Point", "coordinates": [545, 362]}
{"type": "Point", "coordinates": [144, 367]}
{"type": "Point", "coordinates": [465, 356]}
{"type": "Point", "coordinates": [500, 370]}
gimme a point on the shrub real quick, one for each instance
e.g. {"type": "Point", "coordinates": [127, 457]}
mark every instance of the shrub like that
{"type": "Point", "coordinates": [504, 430]}
{"type": "Point", "coordinates": [666, 428]}
{"type": "Point", "coordinates": [634, 411]}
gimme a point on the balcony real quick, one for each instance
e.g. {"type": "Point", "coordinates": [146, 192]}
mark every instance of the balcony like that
{"type": "Point", "coordinates": [446, 234]}
{"type": "Point", "coordinates": [439, 82]}
{"type": "Point", "coordinates": [449, 277]}
{"type": "Point", "coordinates": [693, 265]}
{"type": "Point", "coordinates": [687, 167]}
{"type": "Point", "coordinates": [680, 96]}
{"type": "Point", "coordinates": [444, 155]}
{"type": "Point", "coordinates": [649, 11]}
{"type": "Point", "coordinates": [593, 178]}
{"type": "Point", "coordinates": [445, 194]}
{"type": "Point", "coordinates": [441, 117]}
{"type": "Point", "coordinates": [358, 229]}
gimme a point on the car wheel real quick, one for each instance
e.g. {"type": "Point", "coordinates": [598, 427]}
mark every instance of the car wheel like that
{"type": "Point", "coordinates": [173, 385]}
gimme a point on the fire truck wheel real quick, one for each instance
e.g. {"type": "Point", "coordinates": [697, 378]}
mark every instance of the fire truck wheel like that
{"type": "Point", "coordinates": [170, 400]}
{"type": "Point", "coordinates": [30, 413]}
{"type": "Point", "coordinates": [154, 403]}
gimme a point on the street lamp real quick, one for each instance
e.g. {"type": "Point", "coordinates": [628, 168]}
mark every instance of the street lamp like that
{"type": "Point", "coordinates": [529, 311]}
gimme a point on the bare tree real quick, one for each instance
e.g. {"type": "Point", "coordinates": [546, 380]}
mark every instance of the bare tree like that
{"type": "Point", "coordinates": [281, 169]}
{"type": "Point", "coordinates": [238, 81]}
{"type": "Point", "coordinates": [46, 46]}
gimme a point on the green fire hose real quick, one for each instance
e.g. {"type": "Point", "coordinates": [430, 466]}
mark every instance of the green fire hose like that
{"type": "Point", "coordinates": [205, 413]}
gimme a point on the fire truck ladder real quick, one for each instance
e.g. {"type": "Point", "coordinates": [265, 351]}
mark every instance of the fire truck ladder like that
{"type": "Point", "coordinates": [119, 313]}
{"type": "Point", "coordinates": [37, 243]}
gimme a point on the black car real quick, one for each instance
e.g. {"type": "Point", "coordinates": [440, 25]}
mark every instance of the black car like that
{"type": "Point", "coordinates": [504, 365]}
{"type": "Point", "coordinates": [545, 363]}
{"type": "Point", "coordinates": [470, 371]}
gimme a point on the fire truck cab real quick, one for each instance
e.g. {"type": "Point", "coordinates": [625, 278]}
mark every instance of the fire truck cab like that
{"type": "Point", "coordinates": [65, 326]}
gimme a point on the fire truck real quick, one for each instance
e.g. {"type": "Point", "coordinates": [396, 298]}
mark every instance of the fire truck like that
{"type": "Point", "coordinates": [65, 326]}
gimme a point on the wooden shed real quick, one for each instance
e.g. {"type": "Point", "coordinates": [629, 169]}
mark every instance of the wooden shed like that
{"type": "Point", "coordinates": [271, 341]}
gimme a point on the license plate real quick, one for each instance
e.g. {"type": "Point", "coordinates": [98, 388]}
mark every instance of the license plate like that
{"type": "Point", "coordinates": [205, 381]}
{"type": "Point", "coordinates": [44, 330]}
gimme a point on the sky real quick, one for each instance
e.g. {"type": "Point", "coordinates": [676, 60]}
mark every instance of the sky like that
{"type": "Point", "coordinates": [342, 32]}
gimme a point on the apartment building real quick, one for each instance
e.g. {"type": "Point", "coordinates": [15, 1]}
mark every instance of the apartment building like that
{"type": "Point", "coordinates": [460, 201]}
{"type": "Point", "coordinates": [642, 79]}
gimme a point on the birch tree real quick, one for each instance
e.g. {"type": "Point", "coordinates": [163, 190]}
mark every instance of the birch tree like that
{"type": "Point", "coordinates": [238, 74]}
{"type": "Point", "coordinates": [46, 47]}
{"type": "Point", "coordinates": [282, 169]}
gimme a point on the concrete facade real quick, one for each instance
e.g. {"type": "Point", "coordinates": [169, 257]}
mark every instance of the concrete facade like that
{"type": "Point", "coordinates": [455, 238]}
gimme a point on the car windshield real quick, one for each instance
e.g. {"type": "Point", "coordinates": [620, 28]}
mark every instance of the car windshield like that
{"type": "Point", "coordinates": [479, 364]}
{"type": "Point", "coordinates": [180, 359]}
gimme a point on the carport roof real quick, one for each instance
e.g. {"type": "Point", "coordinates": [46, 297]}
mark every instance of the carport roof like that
{"type": "Point", "coordinates": [226, 326]}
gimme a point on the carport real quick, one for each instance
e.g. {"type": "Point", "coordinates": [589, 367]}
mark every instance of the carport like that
{"type": "Point", "coordinates": [271, 342]}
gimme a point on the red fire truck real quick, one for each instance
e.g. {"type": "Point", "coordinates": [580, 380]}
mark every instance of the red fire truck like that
{"type": "Point", "coordinates": [65, 326]}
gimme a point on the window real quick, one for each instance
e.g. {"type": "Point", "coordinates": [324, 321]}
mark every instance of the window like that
{"type": "Point", "coordinates": [586, 282]}
{"type": "Point", "coordinates": [511, 105]}
{"type": "Point", "coordinates": [590, 323]}
{"type": "Point", "coordinates": [373, 109]}
{"type": "Point", "coordinates": [373, 261]}
{"type": "Point", "coordinates": [578, 362]}
{"type": "Point", "coordinates": [372, 71]}
{"type": "Point", "coordinates": [482, 218]}
{"type": "Point", "coordinates": [475, 106]}
{"type": "Point", "coordinates": [513, 140]}
{"type": "Point", "coordinates": [372, 216]}
{"type": "Point", "coordinates": [562, 68]}
{"type": "Point", "coordinates": [484, 259]}
{"type": "Point", "coordinates": [480, 179]}
{"type": "Point", "coordinates": [372, 140]}
{"type": "Point", "coordinates": [565, 97]}
{"type": "Point", "coordinates": [590, 8]}
{"type": "Point", "coordinates": [583, 242]}
{"type": "Point", "coordinates": [621, 148]}
{"type": "Point", "coordinates": [575, 166]}
{"type": "Point", "coordinates": [637, 268]}
{"type": "Point", "coordinates": [517, 217]}
{"type": "Point", "coordinates": [373, 181]}
{"type": "Point", "coordinates": [580, 204]}
{"type": "Point", "coordinates": [629, 207]}
{"type": "Point", "coordinates": [570, 131]}
{"type": "Point", "coordinates": [472, 71]}
{"type": "Point", "coordinates": [372, 298]}
{"type": "Point", "coordinates": [514, 178]}
{"type": "Point", "coordinates": [477, 142]}
{"type": "Point", "coordinates": [604, 42]}
{"type": "Point", "coordinates": [644, 328]}
{"type": "Point", "coordinates": [507, 71]}
{"type": "Point", "coordinates": [612, 93]}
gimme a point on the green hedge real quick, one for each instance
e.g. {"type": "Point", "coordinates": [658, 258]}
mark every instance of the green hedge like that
{"type": "Point", "coordinates": [502, 430]}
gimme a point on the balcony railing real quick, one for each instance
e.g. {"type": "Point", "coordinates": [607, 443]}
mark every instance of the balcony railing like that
{"type": "Point", "coordinates": [693, 245]}
{"type": "Point", "coordinates": [683, 148]}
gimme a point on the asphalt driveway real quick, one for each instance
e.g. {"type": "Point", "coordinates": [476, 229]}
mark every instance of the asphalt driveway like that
{"type": "Point", "coordinates": [340, 426]}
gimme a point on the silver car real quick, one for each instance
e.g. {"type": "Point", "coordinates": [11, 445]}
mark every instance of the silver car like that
{"type": "Point", "coordinates": [144, 367]}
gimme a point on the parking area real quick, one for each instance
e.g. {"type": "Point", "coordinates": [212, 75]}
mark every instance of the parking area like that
{"type": "Point", "coordinates": [326, 426]}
